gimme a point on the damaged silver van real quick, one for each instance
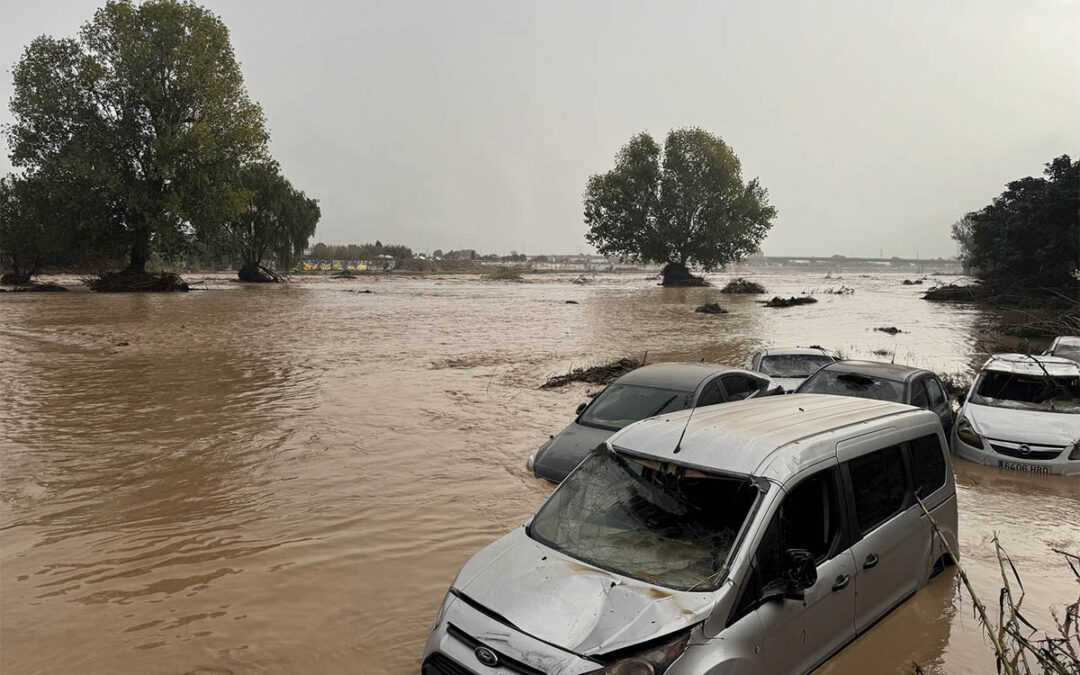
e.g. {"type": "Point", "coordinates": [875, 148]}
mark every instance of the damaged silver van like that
{"type": "Point", "coordinates": [753, 537]}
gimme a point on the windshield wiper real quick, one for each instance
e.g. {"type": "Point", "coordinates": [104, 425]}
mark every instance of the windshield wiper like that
{"type": "Point", "coordinates": [663, 405]}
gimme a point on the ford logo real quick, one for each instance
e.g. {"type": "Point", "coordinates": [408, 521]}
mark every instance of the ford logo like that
{"type": "Point", "coordinates": [486, 657]}
{"type": "Point", "coordinates": [1025, 450]}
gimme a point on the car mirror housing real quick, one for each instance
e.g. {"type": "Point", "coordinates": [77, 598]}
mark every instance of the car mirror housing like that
{"type": "Point", "coordinates": [581, 408]}
{"type": "Point", "coordinates": [800, 573]}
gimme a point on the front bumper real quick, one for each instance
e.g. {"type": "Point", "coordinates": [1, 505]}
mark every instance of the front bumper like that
{"type": "Point", "coordinates": [1006, 455]}
{"type": "Point", "coordinates": [453, 647]}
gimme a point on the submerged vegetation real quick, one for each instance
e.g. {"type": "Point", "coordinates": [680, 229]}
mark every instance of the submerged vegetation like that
{"type": "Point", "coordinates": [793, 301]}
{"type": "Point", "coordinates": [600, 374]}
{"type": "Point", "coordinates": [711, 308]}
{"type": "Point", "coordinates": [742, 285]}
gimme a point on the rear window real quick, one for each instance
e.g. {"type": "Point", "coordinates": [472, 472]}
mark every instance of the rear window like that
{"type": "Point", "coordinates": [880, 485]}
{"type": "Point", "coordinates": [793, 365]}
{"type": "Point", "coordinates": [853, 384]}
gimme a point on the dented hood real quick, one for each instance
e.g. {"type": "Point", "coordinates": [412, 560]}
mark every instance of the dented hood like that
{"type": "Point", "coordinates": [567, 603]}
{"type": "Point", "coordinates": [1024, 426]}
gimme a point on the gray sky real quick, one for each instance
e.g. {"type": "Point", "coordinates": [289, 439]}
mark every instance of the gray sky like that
{"type": "Point", "coordinates": [874, 125]}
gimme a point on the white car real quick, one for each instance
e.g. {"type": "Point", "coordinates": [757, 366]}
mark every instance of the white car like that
{"type": "Point", "coordinates": [1065, 346]}
{"type": "Point", "coordinates": [1023, 414]}
{"type": "Point", "coordinates": [789, 366]}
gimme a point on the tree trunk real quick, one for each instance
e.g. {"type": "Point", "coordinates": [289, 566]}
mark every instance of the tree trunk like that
{"type": "Point", "coordinates": [677, 274]}
{"type": "Point", "coordinates": [254, 272]}
{"type": "Point", "coordinates": [140, 251]}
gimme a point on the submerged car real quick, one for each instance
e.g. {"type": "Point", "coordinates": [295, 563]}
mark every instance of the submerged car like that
{"type": "Point", "coordinates": [1065, 346]}
{"type": "Point", "coordinates": [650, 390]}
{"type": "Point", "coordinates": [1023, 413]}
{"type": "Point", "coordinates": [789, 366]}
{"type": "Point", "coordinates": [752, 537]}
{"type": "Point", "coordinates": [884, 382]}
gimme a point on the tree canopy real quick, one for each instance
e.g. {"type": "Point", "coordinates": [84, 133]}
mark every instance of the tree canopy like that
{"type": "Point", "coordinates": [1030, 234]}
{"type": "Point", "coordinates": [687, 204]}
{"type": "Point", "coordinates": [148, 106]}
{"type": "Point", "coordinates": [323, 251]}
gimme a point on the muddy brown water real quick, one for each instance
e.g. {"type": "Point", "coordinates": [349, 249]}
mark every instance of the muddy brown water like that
{"type": "Point", "coordinates": [285, 479]}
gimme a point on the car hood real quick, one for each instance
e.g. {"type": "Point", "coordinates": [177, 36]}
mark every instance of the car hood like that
{"type": "Point", "coordinates": [561, 455]}
{"type": "Point", "coordinates": [790, 384]}
{"type": "Point", "coordinates": [1024, 426]}
{"type": "Point", "coordinates": [570, 604]}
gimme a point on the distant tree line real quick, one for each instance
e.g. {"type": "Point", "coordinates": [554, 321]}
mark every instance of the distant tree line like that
{"type": "Point", "coordinates": [323, 251]}
{"type": "Point", "coordinates": [135, 142]}
{"type": "Point", "coordinates": [1029, 236]}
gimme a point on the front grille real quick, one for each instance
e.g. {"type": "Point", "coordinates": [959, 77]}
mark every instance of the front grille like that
{"type": "Point", "coordinates": [440, 664]}
{"type": "Point", "coordinates": [505, 661]}
{"type": "Point", "coordinates": [1038, 452]}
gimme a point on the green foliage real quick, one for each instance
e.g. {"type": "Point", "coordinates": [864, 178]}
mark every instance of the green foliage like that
{"type": "Point", "coordinates": [277, 220]}
{"type": "Point", "coordinates": [323, 251]}
{"type": "Point", "coordinates": [148, 104]}
{"type": "Point", "coordinates": [686, 205]}
{"type": "Point", "coordinates": [1030, 234]}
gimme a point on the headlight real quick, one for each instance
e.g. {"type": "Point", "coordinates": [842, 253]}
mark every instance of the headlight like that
{"type": "Point", "coordinates": [653, 661]}
{"type": "Point", "coordinates": [966, 433]}
{"type": "Point", "coordinates": [442, 610]}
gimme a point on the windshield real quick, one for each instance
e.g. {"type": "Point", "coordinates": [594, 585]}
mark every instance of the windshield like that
{"type": "Point", "coordinates": [853, 384]}
{"type": "Point", "coordinates": [793, 365]}
{"type": "Point", "coordinates": [671, 529]}
{"type": "Point", "coordinates": [622, 404]}
{"type": "Point", "coordinates": [1068, 351]}
{"type": "Point", "coordinates": [1028, 392]}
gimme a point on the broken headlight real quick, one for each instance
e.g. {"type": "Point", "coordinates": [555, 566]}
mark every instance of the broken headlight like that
{"type": "Point", "coordinates": [653, 660]}
{"type": "Point", "coordinates": [966, 433]}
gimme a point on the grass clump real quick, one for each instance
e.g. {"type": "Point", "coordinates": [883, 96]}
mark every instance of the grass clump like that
{"type": "Point", "coordinates": [742, 285]}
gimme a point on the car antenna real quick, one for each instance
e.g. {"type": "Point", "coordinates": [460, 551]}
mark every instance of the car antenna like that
{"type": "Point", "coordinates": [678, 443]}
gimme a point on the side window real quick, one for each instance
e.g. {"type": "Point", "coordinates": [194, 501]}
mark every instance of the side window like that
{"type": "Point", "coordinates": [919, 398]}
{"type": "Point", "coordinates": [927, 464]}
{"type": "Point", "coordinates": [711, 394]}
{"type": "Point", "coordinates": [739, 387]}
{"type": "Point", "coordinates": [879, 482]}
{"type": "Point", "coordinates": [937, 394]}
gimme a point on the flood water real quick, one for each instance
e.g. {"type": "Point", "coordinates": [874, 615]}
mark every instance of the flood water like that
{"type": "Point", "coordinates": [285, 479]}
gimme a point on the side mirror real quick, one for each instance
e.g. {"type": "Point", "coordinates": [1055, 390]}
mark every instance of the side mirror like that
{"type": "Point", "coordinates": [581, 408]}
{"type": "Point", "coordinates": [800, 573]}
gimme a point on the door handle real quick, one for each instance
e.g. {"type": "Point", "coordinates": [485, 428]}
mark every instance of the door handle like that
{"type": "Point", "coordinates": [871, 561]}
{"type": "Point", "coordinates": [841, 582]}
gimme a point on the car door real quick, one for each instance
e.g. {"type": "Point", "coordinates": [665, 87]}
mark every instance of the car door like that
{"type": "Point", "coordinates": [939, 402]}
{"type": "Point", "coordinates": [886, 523]}
{"type": "Point", "coordinates": [797, 635]}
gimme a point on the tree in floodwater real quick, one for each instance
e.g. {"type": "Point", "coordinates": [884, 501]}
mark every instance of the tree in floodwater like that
{"type": "Point", "coordinates": [150, 98]}
{"type": "Point", "coordinates": [1029, 236]}
{"type": "Point", "coordinates": [276, 224]}
{"type": "Point", "coordinates": [688, 205]}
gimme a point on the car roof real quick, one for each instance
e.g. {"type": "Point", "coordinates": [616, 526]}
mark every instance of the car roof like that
{"type": "Point", "coordinates": [1067, 341]}
{"type": "Point", "coordinates": [785, 351]}
{"type": "Point", "coordinates": [1022, 364]}
{"type": "Point", "coordinates": [886, 371]}
{"type": "Point", "coordinates": [740, 437]}
{"type": "Point", "coordinates": [680, 376]}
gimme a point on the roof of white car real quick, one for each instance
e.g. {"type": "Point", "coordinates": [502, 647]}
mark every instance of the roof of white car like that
{"type": "Point", "coordinates": [739, 437]}
{"type": "Point", "coordinates": [1067, 341]}
{"type": "Point", "coordinates": [1022, 364]}
{"type": "Point", "coordinates": [784, 351]}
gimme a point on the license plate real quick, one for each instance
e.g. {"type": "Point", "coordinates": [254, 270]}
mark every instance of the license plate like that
{"type": "Point", "coordinates": [1030, 468]}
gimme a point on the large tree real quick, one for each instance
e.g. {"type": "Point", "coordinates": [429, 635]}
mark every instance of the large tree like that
{"type": "Point", "coordinates": [276, 224]}
{"type": "Point", "coordinates": [1029, 236]}
{"type": "Point", "coordinates": [150, 101]}
{"type": "Point", "coordinates": [685, 206]}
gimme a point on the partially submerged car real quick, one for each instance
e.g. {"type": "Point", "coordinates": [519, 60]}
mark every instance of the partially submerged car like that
{"type": "Point", "coordinates": [1023, 413]}
{"type": "Point", "coordinates": [884, 382]}
{"type": "Point", "coordinates": [789, 366]}
{"type": "Point", "coordinates": [650, 390]}
{"type": "Point", "coordinates": [752, 537]}
{"type": "Point", "coordinates": [1065, 346]}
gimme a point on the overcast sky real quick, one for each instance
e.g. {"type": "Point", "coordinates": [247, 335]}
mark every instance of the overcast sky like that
{"type": "Point", "coordinates": [873, 125]}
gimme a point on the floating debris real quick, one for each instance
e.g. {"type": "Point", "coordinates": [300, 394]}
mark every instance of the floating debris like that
{"type": "Point", "coordinates": [777, 301]}
{"type": "Point", "coordinates": [742, 285]}
{"type": "Point", "coordinates": [594, 374]}
{"type": "Point", "coordinates": [891, 330]}
{"type": "Point", "coordinates": [711, 308]}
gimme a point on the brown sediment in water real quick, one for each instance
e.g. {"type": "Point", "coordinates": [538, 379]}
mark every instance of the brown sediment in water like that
{"type": "Point", "coordinates": [202, 499]}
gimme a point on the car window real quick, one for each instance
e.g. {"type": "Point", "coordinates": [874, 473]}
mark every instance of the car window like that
{"type": "Point", "coordinates": [808, 518]}
{"type": "Point", "coordinates": [919, 397]}
{"type": "Point", "coordinates": [622, 404]}
{"type": "Point", "coordinates": [711, 394]}
{"type": "Point", "coordinates": [927, 464]}
{"type": "Point", "coordinates": [1027, 392]}
{"type": "Point", "coordinates": [841, 383]}
{"type": "Point", "coordinates": [739, 387]}
{"type": "Point", "coordinates": [936, 393]}
{"type": "Point", "coordinates": [793, 365]}
{"type": "Point", "coordinates": [879, 482]}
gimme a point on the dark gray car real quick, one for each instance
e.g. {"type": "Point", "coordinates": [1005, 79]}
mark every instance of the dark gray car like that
{"type": "Point", "coordinates": [885, 382]}
{"type": "Point", "coordinates": [645, 392]}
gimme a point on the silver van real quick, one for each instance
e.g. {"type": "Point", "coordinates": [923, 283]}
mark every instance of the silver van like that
{"type": "Point", "coordinates": [754, 537]}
